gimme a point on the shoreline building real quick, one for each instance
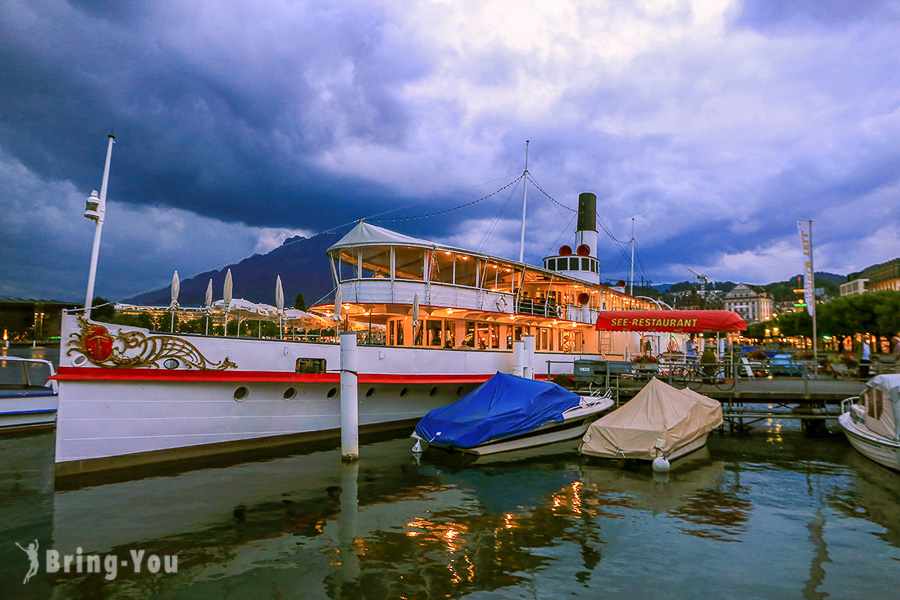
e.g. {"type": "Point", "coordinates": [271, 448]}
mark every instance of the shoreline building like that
{"type": "Point", "coordinates": [751, 302]}
{"type": "Point", "coordinates": [884, 276]}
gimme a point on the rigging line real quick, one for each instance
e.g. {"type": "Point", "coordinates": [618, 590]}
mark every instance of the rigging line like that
{"type": "Point", "coordinates": [496, 220]}
{"type": "Point", "coordinates": [441, 212]}
{"type": "Point", "coordinates": [561, 233]}
{"type": "Point", "coordinates": [608, 232]}
{"type": "Point", "coordinates": [541, 190]}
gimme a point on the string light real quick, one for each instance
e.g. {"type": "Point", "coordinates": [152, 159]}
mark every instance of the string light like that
{"type": "Point", "coordinates": [455, 208]}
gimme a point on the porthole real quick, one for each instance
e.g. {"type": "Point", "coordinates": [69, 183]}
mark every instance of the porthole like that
{"type": "Point", "coordinates": [171, 363]}
{"type": "Point", "coordinates": [241, 394]}
{"type": "Point", "coordinates": [332, 392]}
{"type": "Point", "coordinates": [370, 392]}
{"type": "Point", "coordinates": [79, 360]}
{"type": "Point", "coordinates": [404, 392]}
{"type": "Point", "coordinates": [433, 391]}
{"type": "Point", "coordinates": [459, 391]}
{"type": "Point", "coordinates": [290, 393]}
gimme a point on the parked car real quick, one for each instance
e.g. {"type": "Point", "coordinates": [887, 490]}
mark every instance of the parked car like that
{"type": "Point", "coordinates": [784, 364]}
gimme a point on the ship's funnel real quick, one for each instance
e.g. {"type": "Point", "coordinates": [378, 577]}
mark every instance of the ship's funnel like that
{"type": "Point", "coordinates": [587, 212]}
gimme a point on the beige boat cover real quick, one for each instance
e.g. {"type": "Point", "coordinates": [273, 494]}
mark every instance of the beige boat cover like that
{"type": "Point", "coordinates": [659, 420]}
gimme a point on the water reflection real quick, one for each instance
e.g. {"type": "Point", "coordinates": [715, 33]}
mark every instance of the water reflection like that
{"type": "Point", "coordinates": [807, 513]}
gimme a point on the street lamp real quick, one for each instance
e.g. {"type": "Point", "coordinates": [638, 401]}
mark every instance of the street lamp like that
{"type": "Point", "coordinates": [95, 210]}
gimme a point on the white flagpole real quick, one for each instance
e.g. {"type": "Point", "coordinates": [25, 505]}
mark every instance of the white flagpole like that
{"type": "Point", "coordinates": [98, 230]}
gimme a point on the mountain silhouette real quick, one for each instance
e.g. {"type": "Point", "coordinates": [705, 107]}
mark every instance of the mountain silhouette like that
{"type": "Point", "coordinates": [301, 263]}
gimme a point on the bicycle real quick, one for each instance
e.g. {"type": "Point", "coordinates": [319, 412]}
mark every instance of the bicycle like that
{"type": "Point", "coordinates": [695, 375]}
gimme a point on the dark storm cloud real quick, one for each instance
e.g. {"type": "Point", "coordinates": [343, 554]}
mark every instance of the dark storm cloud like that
{"type": "Point", "coordinates": [713, 125]}
{"type": "Point", "coordinates": [210, 116]}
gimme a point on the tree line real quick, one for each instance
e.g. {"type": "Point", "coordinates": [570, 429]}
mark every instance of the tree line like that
{"type": "Point", "coordinates": [875, 313]}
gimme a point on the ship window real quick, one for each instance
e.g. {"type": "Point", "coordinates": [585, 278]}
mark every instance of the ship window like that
{"type": "Point", "coordinates": [494, 338]}
{"type": "Point", "coordinates": [585, 264]}
{"type": "Point", "coordinates": [310, 365]}
{"type": "Point", "coordinates": [432, 330]}
{"type": "Point", "coordinates": [410, 262]}
{"type": "Point", "coordinates": [395, 333]}
{"type": "Point", "coordinates": [376, 261]}
{"type": "Point", "coordinates": [465, 270]}
{"type": "Point", "coordinates": [551, 264]}
{"type": "Point", "coordinates": [442, 266]}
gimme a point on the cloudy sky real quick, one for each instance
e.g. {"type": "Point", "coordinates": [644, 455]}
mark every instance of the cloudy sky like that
{"type": "Point", "coordinates": [713, 124]}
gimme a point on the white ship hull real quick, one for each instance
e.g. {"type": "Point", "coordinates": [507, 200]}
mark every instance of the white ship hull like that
{"type": "Point", "coordinates": [123, 417]}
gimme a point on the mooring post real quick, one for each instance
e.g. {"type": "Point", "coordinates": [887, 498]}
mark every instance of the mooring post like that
{"type": "Point", "coordinates": [518, 358]}
{"type": "Point", "coordinates": [528, 362]}
{"type": "Point", "coordinates": [349, 399]}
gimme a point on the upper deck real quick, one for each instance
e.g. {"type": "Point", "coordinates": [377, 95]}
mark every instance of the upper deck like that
{"type": "Point", "coordinates": [376, 266]}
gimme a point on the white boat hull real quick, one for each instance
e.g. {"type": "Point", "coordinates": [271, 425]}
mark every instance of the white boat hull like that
{"type": "Point", "coordinates": [27, 411]}
{"type": "Point", "coordinates": [27, 399]}
{"type": "Point", "coordinates": [882, 450]}
{"type": "Point", "coordinates": [575, 423]}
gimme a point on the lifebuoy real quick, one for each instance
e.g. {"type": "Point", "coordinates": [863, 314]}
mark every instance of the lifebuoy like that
{"type": "Point", "coordinates": [501, 303]}
{"type": "Point", "coordinates": [560, 312]}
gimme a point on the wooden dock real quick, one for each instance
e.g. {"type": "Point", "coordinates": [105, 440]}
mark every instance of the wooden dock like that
{"type": "Point", "coordinates": [751, 400]}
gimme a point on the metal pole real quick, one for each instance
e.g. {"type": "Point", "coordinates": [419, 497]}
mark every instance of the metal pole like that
{"type": "Point", "coordinates": [812, 276]}
{"type": "Point", "coordinates": [98, 230]}
{"type": "Point", "coordinates": [524, 202]}
{"type": "Point", "coordinates": [631, 291]}
{"type": "Point", "coordinates": [349, 399]}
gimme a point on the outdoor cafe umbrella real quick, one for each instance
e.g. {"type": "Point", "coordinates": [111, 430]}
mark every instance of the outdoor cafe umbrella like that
{"type": "Point", "coordinates": [227, 296]}
{"type": "Point", "coordinates": [207, 304]}
{"type": "Point", "coordinates": [173, 306]}
{"type": "Point", "coordinates": [337, 307]}
{"type": "Point", "coordinates": [244, 309]}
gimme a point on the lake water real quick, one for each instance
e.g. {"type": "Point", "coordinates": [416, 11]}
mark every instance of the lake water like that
{"type": "Point", "coordinates": [767, 514]}
{"type": "Point", "coordinates": [770, 514]}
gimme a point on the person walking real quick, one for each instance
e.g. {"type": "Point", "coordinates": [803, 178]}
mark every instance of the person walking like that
{"type": "Point", "coordinates": [865, 359]}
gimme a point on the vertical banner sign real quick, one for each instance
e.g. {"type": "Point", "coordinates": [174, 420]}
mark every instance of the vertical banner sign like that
{"type": "Point", "coordinates": [809, 294]}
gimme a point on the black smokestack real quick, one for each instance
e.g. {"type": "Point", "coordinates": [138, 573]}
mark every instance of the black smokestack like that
{"type": "Point", "coordinates": [587, 212]}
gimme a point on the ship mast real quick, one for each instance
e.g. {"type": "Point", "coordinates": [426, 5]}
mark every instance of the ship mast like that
{"type": "Point", "coordinates": [631, 290]}
{"type": "Point", "coordinates": [524, 202]}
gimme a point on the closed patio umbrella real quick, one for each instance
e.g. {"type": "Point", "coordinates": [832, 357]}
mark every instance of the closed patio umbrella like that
{"type": "Point", "coordinates": [279, 304]}
{"type": "Point", "coordinates": [227, 296]}
{"type": "Point", "coordinates": [207, 304]}
{"type": "Point", "coordinates": [173, 306]}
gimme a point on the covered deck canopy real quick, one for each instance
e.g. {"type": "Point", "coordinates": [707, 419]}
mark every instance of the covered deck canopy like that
{"type": "Point", "coordinates": [673, 321]}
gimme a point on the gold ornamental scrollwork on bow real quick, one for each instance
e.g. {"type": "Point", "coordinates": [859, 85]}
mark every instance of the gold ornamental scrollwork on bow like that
{"type": "Point", "coordinates": [134, 349]}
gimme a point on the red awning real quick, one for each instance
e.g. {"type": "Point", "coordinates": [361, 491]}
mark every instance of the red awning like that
{"type": "Point", "coordinates": [675, 321]}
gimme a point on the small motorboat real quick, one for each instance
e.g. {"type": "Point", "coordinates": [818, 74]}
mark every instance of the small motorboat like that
{"type": "Point", "coordinates": [660, 424]}
{"type": "Point", "coordinates": [509, 413]}
{"type": "Point", "coordinates": [27, 397]}
{"type": "Point", "coordinates": [872, 421]}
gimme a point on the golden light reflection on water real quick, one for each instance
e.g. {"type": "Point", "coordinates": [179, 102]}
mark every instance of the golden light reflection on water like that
{"type": "Point", "coordinates": [773, 430]}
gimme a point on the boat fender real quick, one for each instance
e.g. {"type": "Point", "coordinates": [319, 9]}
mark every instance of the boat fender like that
{"type": "Point", "coordinates": [417, 448]}
{"type": "Point", "coordinates": [501, 304]}
{"type": "Point", "coordinates": [661, 464]}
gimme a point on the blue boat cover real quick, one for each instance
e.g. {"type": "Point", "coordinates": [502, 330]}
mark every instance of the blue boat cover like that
{"type": "Point", "coordinates": [502, 406]}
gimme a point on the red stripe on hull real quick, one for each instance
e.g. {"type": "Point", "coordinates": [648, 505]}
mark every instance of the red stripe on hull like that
{"type": "Point", "coordinates": [96, 374]}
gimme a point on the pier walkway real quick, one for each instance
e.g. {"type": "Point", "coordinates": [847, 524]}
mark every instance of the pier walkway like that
{"type": "Point", "coordinates": [812, 401]}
